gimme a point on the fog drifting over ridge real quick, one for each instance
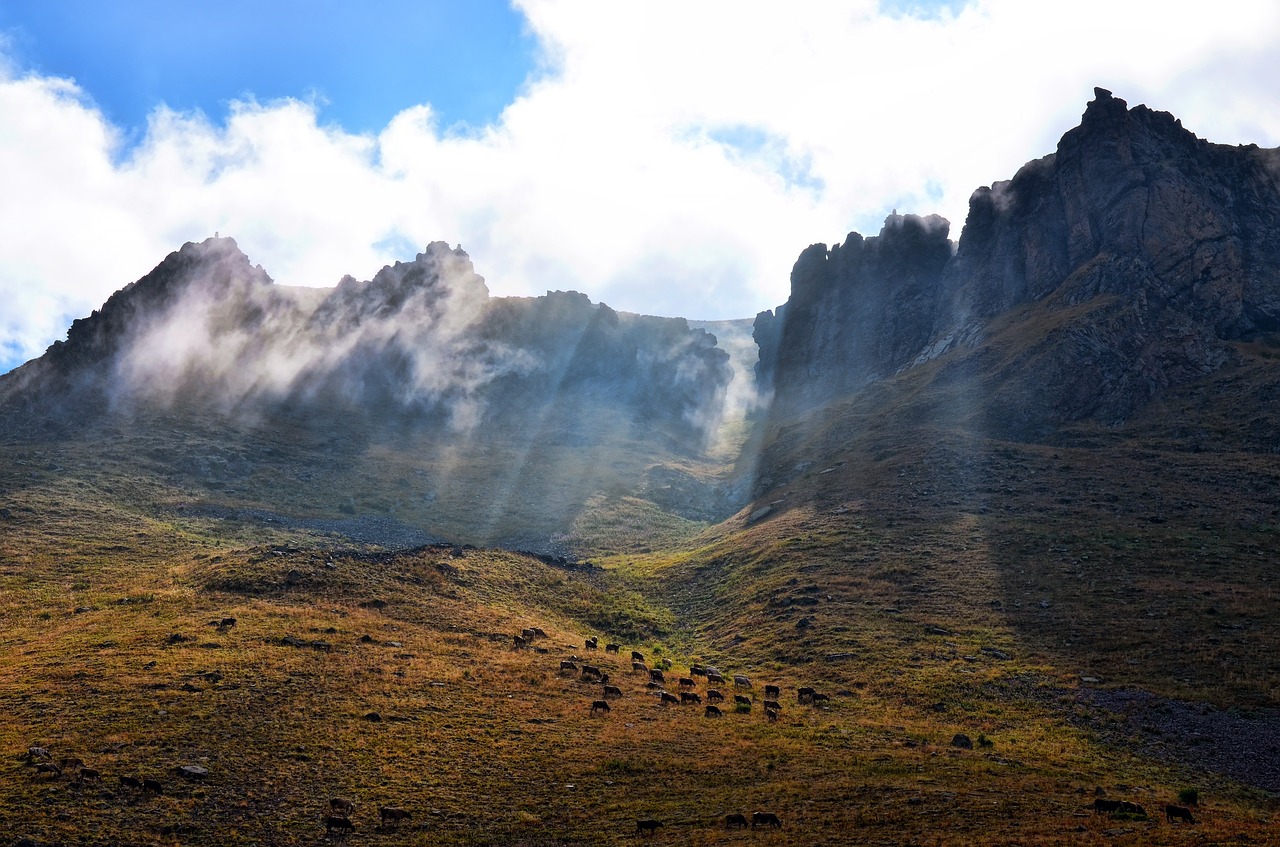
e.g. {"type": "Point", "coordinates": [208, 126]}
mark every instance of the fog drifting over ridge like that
{"type": "Point", "coordinates": [662, 169]}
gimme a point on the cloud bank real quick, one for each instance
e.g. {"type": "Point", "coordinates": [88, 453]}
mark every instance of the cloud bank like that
{"type": "Point", "coordinates": [668, 158]}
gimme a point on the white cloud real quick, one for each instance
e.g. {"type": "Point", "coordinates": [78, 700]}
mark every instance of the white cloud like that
{"type": "Point", "coordinates": [674, 158]}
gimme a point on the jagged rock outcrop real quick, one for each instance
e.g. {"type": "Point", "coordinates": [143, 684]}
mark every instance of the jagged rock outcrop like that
{"type": "Point", "coordinates": [420, 344]}
{"type": "Point", "coordinates": [1137, 252]}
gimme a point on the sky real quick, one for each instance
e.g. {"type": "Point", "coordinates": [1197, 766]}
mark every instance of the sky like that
{"type": "Point", "coordinates": [668, 158]}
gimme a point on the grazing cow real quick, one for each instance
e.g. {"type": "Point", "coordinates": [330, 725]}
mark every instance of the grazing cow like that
{"type": "Point", "coordinates": [590, 670]}
{"type": "Point", "coordinates": [566, 665]}
{"type": "Point", "coordinates": [714, 695]}
{"type": "Point", "coordinates": [638, 667]}
{"type": "Point", "coordinates": [612, 691]}
{"type": "Point", "coordinates": [34, 753]}
{"type": "Point", "coordinates": [637, 656]}
{"type": "Point", "coordinates": [599, 706]}
{"type": "Point", "coordinates": [653, 686]}
{"type": "Point", "coordinates": [656, 675]}
{"type": "Point", "coordinates": [88, 775]}
{"type": "Point", "coordinates": [686, 682]}
{"type": "Point", "coordinates": [668, 698]}
{"type": "Point", "coordinates": [1180, 812]}
{"type": "Point", "coordinates": [714, 712]}
{"type": "Point", "coordinates": [153, 785]}
{"type": "Point", "coordinates": [765, 819]}
{"type": "Point", "coordinates": [804, 695]}
{"type": "Point", "coordinates": [742, 700]}
{"type": "Point", "coordinates": [714, 677]}
{"type": "Point", "coordinates": [697, 670]}
{"type": "Point", "coordinates": [130, 782]}
{"type": "Point", "coordinates": [519, 642]}
{"type": "Point", "coordinates": [528, 634]}
{"type": "Point", "coordinates": [338, 822]}
{"type": "Point", "coordinates": [689, 697]}
{"type": "Point", "coordinates": [647, 827]}
{"type": "Point", "coordinates": [612, 648]}
{"type": "Point", "coordinates": [341, 806]}
{"type": "Point", "coordinates": [226, 623]}
{"type": "Point", "coordinates": [1134, 809]}
{"type": "Point", "coordinates": [592, 643]}
{"type": "Point", "coordinates": [49, 768]}
{"type": "Point", "coordinates": [773, 704]}
{"type": "Point", "coordinates": [1101, 805]}
{"type": "Point", "coordinates": [771, 714]}
{"type": "Point", "coordinates": [741, 681]}
{"type": "Point", "coordinates": [735, 821]}
{"type": "Point", "coordinates": [391, 815]}
{"type": "Point", "coordinates": [538, 632]}
{"type": "Point", "coordinates": [70, 763]}
{"type": "Point", "coordinates": [773, 692]}
{"type": "Point", "coordinates": [819, 697]}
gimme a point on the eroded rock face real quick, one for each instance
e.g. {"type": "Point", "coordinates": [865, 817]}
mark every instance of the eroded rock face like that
{"type": "Point", "coordinates": [1117, 266]}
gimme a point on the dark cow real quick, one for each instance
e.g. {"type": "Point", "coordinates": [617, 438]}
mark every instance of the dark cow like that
{"type": "Point", "coordinates": [713, 695]}
{"type": "Point", "coordinates": [819, 697]}
{"type": "Point", "coordinates": [656, 675]}
{"type": "Point", "coordinates": [153, 786]}
{"type": "Point", "coordinates": [339, 823]}
{"type": "Point", "coordinates": [689, 697]}
{"type": "Point", "coordinates": [1128, 808]}
{"type": "Point", "coordinates": [638, 667]}
{"type": "Point", "coordinates": [566, 665]}
{"type": "Point", "coordinates": [773, 704]}
{"type": "Point", "coordinates": [528, 634]}
{"type": "Point", "coordinates": [653, 686]}
{"type": "Point", "coordinates": [48, 769]}
{"type": "Point", "coordinates": [70, 763]}
{"type": "Point", "coordinates": [686, 682]}
{"type": "Point", "coordinates": [668, 698]}
{"type": "Point", "coordinates": [1102, 805]}
{"type": "Point", "coordinates": [773, 692]}
{"type": "Point", "coordinates": [612, 691]}
{"type": "Point", "coordinates": [390, 815]}
{"type": "Point", "coordinates": [637, 656]}
{"type": "Point", "coordinates": [592, 643]}
{"type": "Point", "coordinates": [735, 821]}
{"type": "Point", "coordinates": [771, 714]}
{"type": "Point", "coordinates": [226, 623]}
{"type": "Point", "coordinates": [590, 670]}
{"type": "Point", "coordinates": [519, 642]}
{"type": "Point", "coordinates": [742, 700]}
{"type": "Point", "coordinates": [804, 695]}
{"type": "Point", "coordinates": [714, 712]}
{"type": "Point", "coordinates": [599, 706]}
{"type": "Point", "coordinates": [341, 806]}
{"type": "Point", "coordinates": [714, 677]}
{"type": "Point", "coordinates": [741, 681]}
{"type": "Point", "coordinates": [647, 827]}
{"type": "Point", "coordinates": [130, 782]}
{"type": "Point", "coordinates": [697, 670]}
{"type": "Point", "coordinates": [765, 819]}
{"type": "Point", "coordinates": [40, 753]}
{"type": "Point", "coordinates": [612, 648]}
{"type": "Point", "coordinates": [1180, 812]}
{"type": "Point", "coordinates": [88, 775]}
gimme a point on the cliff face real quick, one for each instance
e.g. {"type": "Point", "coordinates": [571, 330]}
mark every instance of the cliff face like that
{"type": "Point", "coordinates": [1142, 249]}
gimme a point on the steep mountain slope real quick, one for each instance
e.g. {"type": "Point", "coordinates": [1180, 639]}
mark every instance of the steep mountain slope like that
{"type": "Point", "coordinates": [1127, 262]}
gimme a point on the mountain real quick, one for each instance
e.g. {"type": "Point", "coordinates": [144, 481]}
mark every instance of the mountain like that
{"type": "Point", "coordinates": [999, 519]}
{"type": "Point", "coordinates": [1128, 262]}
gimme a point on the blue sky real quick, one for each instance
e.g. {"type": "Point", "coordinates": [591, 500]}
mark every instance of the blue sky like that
{"type": "Point", "coordinates": [363, 62]}
{"type": "Point", "coordinates": [663, 157]}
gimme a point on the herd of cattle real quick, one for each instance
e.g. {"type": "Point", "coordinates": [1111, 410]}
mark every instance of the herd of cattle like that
{"type": "Point", "coordinates": [657, 681]}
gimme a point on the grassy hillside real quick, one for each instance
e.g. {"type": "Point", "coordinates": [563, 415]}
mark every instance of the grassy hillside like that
{"type": "Point", "coordinates": [391, 678]}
